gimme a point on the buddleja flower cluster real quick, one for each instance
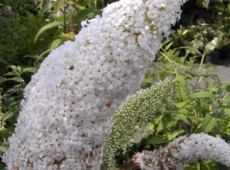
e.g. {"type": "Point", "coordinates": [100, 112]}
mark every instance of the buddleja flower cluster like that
{"type": "Point", "coordinates": [67, 109]}
{"type": "Point", "coordinates": [130, 121]}
{"type": "Point", "coordinates": [183, 151]}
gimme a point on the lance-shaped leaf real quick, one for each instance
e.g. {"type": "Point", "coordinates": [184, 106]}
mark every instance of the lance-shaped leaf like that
{"type": "Point", "coordinates": [47, 27]}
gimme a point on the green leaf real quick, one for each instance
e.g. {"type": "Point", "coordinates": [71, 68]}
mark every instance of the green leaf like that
{"type": "Point", "coordinates": [185, 111]}
{"type": "Point", "coordinates": [16, 79]}
{"type": "Point", "coordinates": [185, 32]}
{"type": "Point", "coordinates": [47, 27]}
{"type": "Point", "coordinates": [87, 13]}
{"type": "Point", "coordinates": [3, 149]}
{"type": "Point", "coordinates": [227, 111]}
{"type": "Point", "coordinates": [44, 53]}
{"type": "Point", "coordinates": [181, 87]}
{"type": "Point", "coordinates": [149, 80]}
{"type": "Point", "coordinates": [2, 167]}
{"type": "Point", "coordinates": [29, 70]}
{"type": "Point", "coordinates": [16, 70]}
{"type": "Point", "coordinates": [2, 79]}
{"type": "Point", "coordinates": [169, 45]}
{"type": "Point", "coordinates": [191, 50]}
{"type": "Point", "coordinates": [55, 43]}
{"type": "Point", "coordinates": [8, 115]}
{"type": "Point", "coordinates": [174, 134]}
{"type": "Point", "coordinates": [202, 94]}
{"type": "Point", "coordinates": [79, 7]}
{"type": "Point", "coordinates": [155, 140]}
{"type": "Point", "coordinates": [198, 166]}
{"type": "Point", "coordinates": [228, 87]}
{"type": "Point", "coordinates": [13, 67]}
{"type": "Point", "coordinates": [181, 104]}
{"type": "Point", "coordinates": [207, 124]}
{"type": "Point", "coordinates": [161, 122]}
{"type": "Point", "coordinates": [10, 74]}
{"type": "Point", "coordinates": [58, 6]}
{"type": "Point", "coordinates": [183, 118]}
{"type": "Point", "coordinates": [150, 127]}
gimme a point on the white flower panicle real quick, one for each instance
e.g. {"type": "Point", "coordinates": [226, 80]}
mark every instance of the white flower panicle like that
{"type": "Point", "coordinates": [183, 151]}
{"type": "Point", "coordinates": [130, 121]}
{"type": "Point", "coordinates": [66, 115]}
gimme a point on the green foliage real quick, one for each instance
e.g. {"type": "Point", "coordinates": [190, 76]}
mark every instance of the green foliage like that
{"type": "Point", "coordinates": [21, 7]}
{"type": "Point", "coordinates": [130, 121]}
{"type": "Point", "coordinates": [202, 33]}
{"type": "Point", "coordinates": [13, 83]}
{"type": "Point", "coordinates": [67, 17]}
{"type": "Point", "coordinates": [17, 41]}
{"type": "Point", "coordinates": [2, 122]}
{"type": "Point", "coordinates": [201, 102]}
{"type": "Point", "coordinates": [47, 27]}
{"type": "Point", "coordinates": [19, 59]}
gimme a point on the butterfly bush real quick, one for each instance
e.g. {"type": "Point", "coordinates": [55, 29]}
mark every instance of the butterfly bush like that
{"type": "Point", "coordinates": [67, 109]}
{"type": "Point", "coordinates": [130, 121]}
{"type": "Point", "coordinates": [183, 151]}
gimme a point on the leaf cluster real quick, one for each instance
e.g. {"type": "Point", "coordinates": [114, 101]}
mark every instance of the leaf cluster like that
{"type": "Point", "coordinates": [19, 59]}
{"type": "Point", "coordinates": [201, 102]}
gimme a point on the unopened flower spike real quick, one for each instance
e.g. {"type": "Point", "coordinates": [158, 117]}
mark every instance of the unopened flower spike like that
{"type": "Point", "coordinates": [130, 121]}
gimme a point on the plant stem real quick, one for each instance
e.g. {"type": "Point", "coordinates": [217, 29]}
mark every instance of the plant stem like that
{"type": "Point", "coordinates": [64, 17]}
{"type": "Point", "coordinates": [199, 78]}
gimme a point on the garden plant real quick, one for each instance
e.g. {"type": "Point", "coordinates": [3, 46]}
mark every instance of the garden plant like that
{"type": "Point", "coordinates": [84, 107]}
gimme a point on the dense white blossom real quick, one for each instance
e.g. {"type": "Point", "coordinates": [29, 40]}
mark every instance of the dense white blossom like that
{"type": "Point", "coordinates": [130, 121]}
{"type": "Point", "coordinates": [183, 151]}
{"type": "Point", "coordinates": [66, 115]}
